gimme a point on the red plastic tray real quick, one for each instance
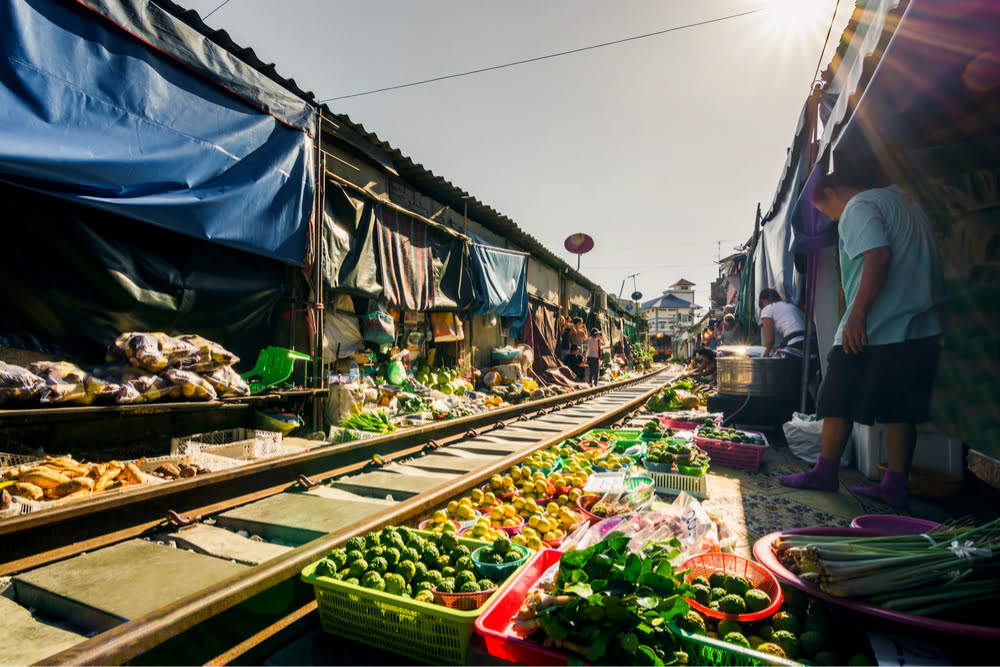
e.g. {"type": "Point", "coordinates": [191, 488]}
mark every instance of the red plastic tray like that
{"type": "Point", "coordinates": [495, 623]}
{"type": "Point", "coordinates": [764, 554]}
{"type": "Point", "coordinates": [741, 455]}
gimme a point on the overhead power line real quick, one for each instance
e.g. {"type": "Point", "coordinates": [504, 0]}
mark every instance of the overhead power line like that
{"type": "Point", "coordinates": [825, 42]}
{"type": "Point", "coordinates": [545, 57]}
{"type": "Point", "coordinates": [224, 3]}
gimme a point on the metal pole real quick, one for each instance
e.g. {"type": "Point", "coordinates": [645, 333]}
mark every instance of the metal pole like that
{"type": "Point", "coordinates": [321, 377]}
{"type": "Point", "coordinates": [807, 343]}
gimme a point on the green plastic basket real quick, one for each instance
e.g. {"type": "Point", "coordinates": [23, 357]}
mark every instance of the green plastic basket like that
{"type": "Point", "coordinates": [704, 650]}
{"type": "Point", "coordinates": [504, 570]}
{"type": "Point", "coordinates": [623, 433]}
{"type": "Point", "coordinates": [422, 631]}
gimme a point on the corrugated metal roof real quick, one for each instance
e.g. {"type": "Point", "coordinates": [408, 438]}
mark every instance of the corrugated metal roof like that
{"type": "Point", "coordinates": [667, 301]}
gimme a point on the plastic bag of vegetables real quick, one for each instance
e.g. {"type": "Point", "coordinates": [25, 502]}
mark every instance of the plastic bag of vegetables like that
{"type": "Point", "coordinates": [192, 385]}
{"type": "Point", "coordinates": [68, 383]}
{"type": "Point", "coordinates": [227, 382]}
{"type": "Point", "coordinates": [18, 384]}
{"type": "Point", "coordinates": [209, 355]}
{"type": "Point", "coordinates": [135, 384]}
{"type": "Point", "coordinates": [153, 352]}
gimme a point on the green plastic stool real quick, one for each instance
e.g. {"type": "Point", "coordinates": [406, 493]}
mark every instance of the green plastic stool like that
{"type": "Point", "coordinates": [274, 367]}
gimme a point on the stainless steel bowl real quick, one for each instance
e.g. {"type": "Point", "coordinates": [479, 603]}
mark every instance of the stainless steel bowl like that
{"type": "Point", "coordinates": [759, 376]}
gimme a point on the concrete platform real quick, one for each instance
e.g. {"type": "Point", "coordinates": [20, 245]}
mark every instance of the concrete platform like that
{"type": "Point", "coordinates": [225, 544]}
{"type": "Point", "coordinates": [105, 588]}
{"type": "Point", "coordinates": [339, 494]}
{"type": "Point", "coordinates": [296, 518]}
{"type": "Point", "coordinates": [398, 481]}
{"type": "Point", "coordinates": [448, 462]}
{"type": "Point", "coordinates": [25, 639]}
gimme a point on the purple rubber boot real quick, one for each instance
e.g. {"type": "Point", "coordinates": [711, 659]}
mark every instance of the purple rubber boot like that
{"type": "Point", "coordinates": [823, 477]}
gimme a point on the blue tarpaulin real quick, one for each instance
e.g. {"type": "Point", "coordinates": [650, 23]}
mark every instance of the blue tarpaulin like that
{"type": "Point", "coordinates": [103, 116]}
{"type": "Point", "coordinates": [500, 278]}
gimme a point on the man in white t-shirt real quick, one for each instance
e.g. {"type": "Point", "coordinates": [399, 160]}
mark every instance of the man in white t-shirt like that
{"type": "Point", "coordinates": [779, 316]}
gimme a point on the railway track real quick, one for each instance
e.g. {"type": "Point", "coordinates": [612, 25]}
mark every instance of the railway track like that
{"type": "Point", "coordinates": [218, 590]}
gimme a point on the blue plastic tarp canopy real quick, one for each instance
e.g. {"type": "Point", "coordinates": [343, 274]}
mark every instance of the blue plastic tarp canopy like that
{"type": "Point", "coordinates": [127, 121]}
{"type": "Point", "coordinates": [500, 278]}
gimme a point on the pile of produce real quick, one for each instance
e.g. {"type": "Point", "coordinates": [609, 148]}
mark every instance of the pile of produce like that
{"type": "Point", "coordinates": [711, 431]}
{"type": "Point", "coordinates": [375, 421]}
{"type": "Point", "coordinates": [501, 552]}
{"type": "Point", "coordinates": [542, 460]}
{"type": "Point", "coordinates": [729, 594]}
{"type": "Point", "coordinates": [63, 478]}
{"type": "Point", "coordinates": [609, 461]}
{"type": "Point", "coordinates": [654, 429]}
{"type": "Point", "coordinates": [415, 404]}
{"type": "Point", "coordinates": [678, 396]}
{"type": "Point", "coordinates": [440, 523]}
{"type": "Point", "coordinates": [483, 530]}
{"type": "Point", "coordinates": [949, 573]}
{"type": "Point", "coordinates": [688, 458]}
{"type": "Point", "coordinates": [551, 525]}
{"type": "Point", "coordinates": [461, 510]}
{"type": "Point", "coordinates": [608, 605]}
{"type": "Point", "coordinates": [405, 563]}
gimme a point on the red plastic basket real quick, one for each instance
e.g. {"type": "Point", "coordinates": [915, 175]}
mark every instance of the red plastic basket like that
{"type": "Point", "coordinates": [495, 623]}
{"type": "Point", "coordinates": [758, 575]}
{"type": "Point", "coordinates": [462, 601]}
{"type": "Point", "coordinates": [741, 455]}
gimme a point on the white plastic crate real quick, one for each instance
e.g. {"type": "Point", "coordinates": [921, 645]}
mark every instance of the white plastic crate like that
{"type": "Point", "coordinates": [671, 484]}
{"type": "Point", "coordinates": [210, 462]}
{"type": "Point", "coordinates": [935, 450]}
{"type": "Point", "coordinates": [238, 442]}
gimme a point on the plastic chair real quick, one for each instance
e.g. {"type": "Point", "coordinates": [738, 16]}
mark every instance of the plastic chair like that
{"type": "Point", "coordinates": [274, 367]}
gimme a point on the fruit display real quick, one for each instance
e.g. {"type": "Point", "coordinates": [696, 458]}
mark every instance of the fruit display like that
{"type": "Point", "coordinates": [505, 516]}
{"type": "Point", "coordinates": [688, 458]}
{"type": "Point", "coordinates": [462, 510]}
{"type": "Point", "coordinates": [560, 481]}
{"type": "Point", "coordinates": [577, 468]}
{"type": "Point", "coordinates": [612, 462]}
{"type": "Point", "coordinates": [801, 630]}
{"type": "Point", "coordinates": [541, 460]}
{"type": "Point", "coordinates": [481, 499]}
{"type": "Point", "coordinates": [501, 552]}
{"type": "Point", "coordinates": [439, 523]}
{"type": "Point", "coordinates": [407, 563]}
{"type": "Point", "coordinates": [711, 431]}
{"type": "Point", "coordinates": [679, 395]}
{"type": "Point", "coordinates": [482, 530]}
{"type": "Point", "coordinates": [501, 485]}
{"type": "Point", "coordinates": [729, 594]}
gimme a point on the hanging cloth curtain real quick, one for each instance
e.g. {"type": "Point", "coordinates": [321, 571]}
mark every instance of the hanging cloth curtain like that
{"type": "Point", "coordinates": [405, 258]}
{"type": "Point", "coordinates": [501, 284]}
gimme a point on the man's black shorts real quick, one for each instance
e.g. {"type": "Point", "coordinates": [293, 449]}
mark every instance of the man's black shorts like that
{"type": "Point", "coordinates": [886, 383]}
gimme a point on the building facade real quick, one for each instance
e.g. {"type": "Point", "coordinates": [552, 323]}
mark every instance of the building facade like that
{"type": "Point", "coordinates": [672, 312]}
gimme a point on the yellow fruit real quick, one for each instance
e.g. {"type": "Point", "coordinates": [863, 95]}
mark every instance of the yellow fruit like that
{"type": "Point", "coordinates": [519, 539]}
{"type": "Point", "coordinates": [496, 514]}
{"type": "Point", "coordinates": [490, 498]}
{"type": "Point", "coordinates": [534, 543]}
{"type": "Point", "coordinates": [448, 527]}
{"type": "Point", "coordinates": [533, 521]}
{"type": "Point", "coordinates": [509, 511]}
{"type": "Point", "coordinates": [542, 526]}
{"type": "Point", "coordinates": [510, 523]}
{"type": "Point", "coordinates": [440, 516]}
{"type": "Point", "coordinates": [552, 507]}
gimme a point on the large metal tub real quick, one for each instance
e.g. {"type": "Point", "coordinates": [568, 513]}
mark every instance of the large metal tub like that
{"type": "Point", "coordinates": [759, 376]}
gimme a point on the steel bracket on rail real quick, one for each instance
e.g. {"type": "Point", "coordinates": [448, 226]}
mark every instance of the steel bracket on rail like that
{"type": "Point", "coordinates": [432, 445]}
{"type": "Point", "coordinates": [180, 521]}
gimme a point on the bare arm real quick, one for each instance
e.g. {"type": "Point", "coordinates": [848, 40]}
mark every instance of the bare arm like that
{"type": "Point", "coordinates": [874, 272]}
{"type": "Point", "coordinates": [767, 334]}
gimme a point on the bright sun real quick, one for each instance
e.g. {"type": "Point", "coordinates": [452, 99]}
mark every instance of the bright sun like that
{"type": "Point", "coordinates": [797, 18]}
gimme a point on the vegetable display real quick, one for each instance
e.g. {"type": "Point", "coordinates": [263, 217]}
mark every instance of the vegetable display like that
{"type": "Point", "coordinates": [679, 395]}
{"type": "Point", "coordinates": [713, 432]}
{"type": "Point", "coordinates": [610, 606]}
{"type": "Point", "coordinates": [376, 421]}
{"type": "Point", "coordinates": [952, 570]}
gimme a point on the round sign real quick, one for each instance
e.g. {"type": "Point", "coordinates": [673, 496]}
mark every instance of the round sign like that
{"type": "Point", "coordinates": [578, 244]}
{"type": "Point", "coordinates": [636, 296]}
{"type": "Point", "coordinates": [628, 307]}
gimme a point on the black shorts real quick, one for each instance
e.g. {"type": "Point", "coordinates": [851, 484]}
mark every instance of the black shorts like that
{"type": "Point", "coordinates": [886, 383]}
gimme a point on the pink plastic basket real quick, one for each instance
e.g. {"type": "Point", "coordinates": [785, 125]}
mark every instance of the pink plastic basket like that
{"type": "Point", "coordinates": [495, 623]}
{"type": "Point", "coordinates": [894, 523]}
{"type": "Point", "coordinates": [741, 455]}
{"type": "Point", "coordinates": [759, 576]}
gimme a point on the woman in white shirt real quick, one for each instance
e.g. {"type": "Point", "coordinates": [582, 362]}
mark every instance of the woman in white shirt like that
{"type": "Point", "coordinates": [777, 315]}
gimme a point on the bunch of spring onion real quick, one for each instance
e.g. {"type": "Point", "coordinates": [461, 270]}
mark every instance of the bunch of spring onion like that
{"type": "Point", "coordinates": [376, 421]}
{"type": "Point", "coordinates": [943, 569]}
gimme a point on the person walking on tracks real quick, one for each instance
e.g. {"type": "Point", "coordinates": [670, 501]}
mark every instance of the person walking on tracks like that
{"type": "Point", "coordinates": [595, 344]}
{"type": "Point", "coordinates": [885, 352]}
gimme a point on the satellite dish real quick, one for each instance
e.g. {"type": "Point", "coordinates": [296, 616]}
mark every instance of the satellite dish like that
{"type": "Point", "coordinates": [578, 244]}
{"type": "Point", "coordinates": [636, 296]}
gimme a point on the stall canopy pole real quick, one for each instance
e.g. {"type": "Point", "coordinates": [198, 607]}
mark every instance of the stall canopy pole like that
{"type": "Point", "coordinates": [812, 114]}
{"type": "Point", "coordinates": [319, 354]}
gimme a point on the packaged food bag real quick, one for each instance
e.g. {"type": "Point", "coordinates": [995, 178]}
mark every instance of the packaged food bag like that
{"type": "Point", "coordinates": [227, 382]}
{"type": "Point", "coordinates": [378, 326]}
{"type": "Point", "coordinates": [209, 354]}
{"type": "Point", "coordinates": [192, 385]}
{"type": "Point", "coordinates": [446, 327]}
{"type": "Point", "coordinates": [137, 385]}
{"type": "Point", "coordinates": [153, 352]}
{"type": "Point", "coordinates": [68, 383]}
{"type": "Point", "coordinates": [18, 384]}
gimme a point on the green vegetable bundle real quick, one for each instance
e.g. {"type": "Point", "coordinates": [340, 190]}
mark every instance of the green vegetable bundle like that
{"type": "Point", "coordinates": [376, 421]}
{"type": "Point", "coordinates": [612, 605]}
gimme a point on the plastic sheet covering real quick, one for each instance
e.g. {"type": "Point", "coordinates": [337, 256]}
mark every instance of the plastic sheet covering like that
{"type": "Point", "coordinates": [501, 284]}
{"type": "Point", "coordinates": [349, 264]}
{"type": "Point", "coordinates": [82, 277]}
{"type": "Point", "coordinates": [341, 333]}
{"type": "Point", "coordinates": [193, 386]}
{"type": "Point", "coordinates": [94, 114]}
{"type": "Point", "coordinates": [545, 342]}
{"type": "Point", "coordinates": [18, 384]}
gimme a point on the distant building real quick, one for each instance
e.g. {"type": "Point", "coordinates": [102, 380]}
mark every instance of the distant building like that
{"type": "Point", "coordinates": [672, 312]}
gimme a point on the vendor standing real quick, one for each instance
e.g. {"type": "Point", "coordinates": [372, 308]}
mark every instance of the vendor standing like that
{"type": "Point", "coordinates": [777, 316]}
{"type": "Point", "coordinates": [577, 333]}
{"type": "Point", "coordinates": [731, 333]}
{"type": "Point", "coordinates": [595, 344]}
{"type": "Point", "coordinates": [886, 349]}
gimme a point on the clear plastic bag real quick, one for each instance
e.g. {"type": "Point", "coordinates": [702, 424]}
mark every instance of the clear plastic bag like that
{"type": "Point", "coordinates": [209, 355]}
{"type": "Point", "coordinates": [153, 352]}
{"type": "Point", "coordinates": [68, 383]}
{"type": "Point", "coordinates": [136, 385]}
{"type": "Point", "coordinates": [192, 385]}
{"type": "Point", "coordinates": [18, 384]}
{"type": "Point", "coordinates": [227, 382]}
{"type": "Point", "coordinates": [685, 520]}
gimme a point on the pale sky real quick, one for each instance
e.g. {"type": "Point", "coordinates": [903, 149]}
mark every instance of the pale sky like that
{"type": "Point", "coordinates": [659, 148]}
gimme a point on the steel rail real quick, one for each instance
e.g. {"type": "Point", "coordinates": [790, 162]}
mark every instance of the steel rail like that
{"type": "Point", "coordinates": [129, 640]}
{"type": "Point", "coordinates": [60, 528]}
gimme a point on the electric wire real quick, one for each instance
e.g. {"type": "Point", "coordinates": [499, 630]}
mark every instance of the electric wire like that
{"type": "Point", "coordinates": [545, 57]}
{"type": "Point", "coordinates": [224, 3]}
{"type": "Point", "coordinates": [826, 41]}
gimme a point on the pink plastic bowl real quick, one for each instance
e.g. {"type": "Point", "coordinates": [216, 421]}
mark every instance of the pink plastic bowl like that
{"type": "Point", "coordinates": [893, 523]}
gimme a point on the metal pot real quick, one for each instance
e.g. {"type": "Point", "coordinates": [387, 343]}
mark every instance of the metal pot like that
{"type": "Point", "coordinates": [759, 376]}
